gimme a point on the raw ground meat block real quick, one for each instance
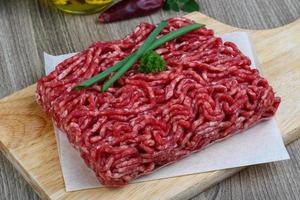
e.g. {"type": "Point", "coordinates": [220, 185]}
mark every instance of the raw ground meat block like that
{"type": "Point", "coordinates": [146, 121]}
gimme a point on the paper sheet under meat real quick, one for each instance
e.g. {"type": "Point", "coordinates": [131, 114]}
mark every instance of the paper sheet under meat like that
{"type": "Point", "coordinates": [259, 144]}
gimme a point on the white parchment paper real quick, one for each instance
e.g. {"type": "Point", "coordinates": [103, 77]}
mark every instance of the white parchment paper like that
{"type": "Point", "coordinates": [259, 144]}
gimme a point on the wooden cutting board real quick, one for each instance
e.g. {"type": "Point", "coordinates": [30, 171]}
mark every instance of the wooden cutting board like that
{"type": "Point", "coordinates": [28, 141]}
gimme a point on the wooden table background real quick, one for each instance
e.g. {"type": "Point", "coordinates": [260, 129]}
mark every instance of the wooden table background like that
{"type": "Point", "coordinates": [29, 27]}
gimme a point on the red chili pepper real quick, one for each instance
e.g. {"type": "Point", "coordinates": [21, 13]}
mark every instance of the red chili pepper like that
{"type": "Point", "coordinates": [127, 9]}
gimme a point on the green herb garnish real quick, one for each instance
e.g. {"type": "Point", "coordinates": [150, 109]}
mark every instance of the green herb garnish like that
{"type": "Point", "coordinates": [184, 5]}
{"type": "Point", "coordinates": [135, 56]}
{"type": "Point", "coordinates": [152, 62]}
{"type": "Point", "coordinates": [120, 65]}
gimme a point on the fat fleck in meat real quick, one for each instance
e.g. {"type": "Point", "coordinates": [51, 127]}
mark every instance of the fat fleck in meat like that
{"type": "Point", "coordinates": [145, 121]}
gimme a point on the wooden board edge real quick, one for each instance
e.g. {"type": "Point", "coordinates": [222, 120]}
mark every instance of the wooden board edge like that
{"type": "Point", "coordinates": [223, 174]}
{"type": "Point", "coordinates": [29, 179]}
{"type": "Point", "coordinates": [19, 93]}
{"type": "Point", "coordinates": [194, 190]}
{"type": "Point", "coordinates": [11, 158]}
{"type": "Point", "coordinates": [197, 14]}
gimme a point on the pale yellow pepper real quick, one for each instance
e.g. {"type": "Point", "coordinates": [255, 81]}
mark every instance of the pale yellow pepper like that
{"type": "Point", "coordinates": [98, 2]}
{"type": "Point", "coordinates": [60, 2]}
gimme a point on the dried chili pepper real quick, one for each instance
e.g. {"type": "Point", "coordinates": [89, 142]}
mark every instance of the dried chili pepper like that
{"type": "Point", "coordinates": [127, 9]}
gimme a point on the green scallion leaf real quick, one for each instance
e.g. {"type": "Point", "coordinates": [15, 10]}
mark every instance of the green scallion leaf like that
{"type": "Point", "coordinates": [134, 57]}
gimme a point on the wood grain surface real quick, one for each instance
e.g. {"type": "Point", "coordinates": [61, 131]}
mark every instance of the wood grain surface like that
{"type": "Point", "coordinates": [30, 27]}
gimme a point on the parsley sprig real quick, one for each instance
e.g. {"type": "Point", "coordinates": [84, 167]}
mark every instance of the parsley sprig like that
{"type": "Point", "coordinates": [184, 5]}
{"type": "Point", "coordinates": [152, 62]}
